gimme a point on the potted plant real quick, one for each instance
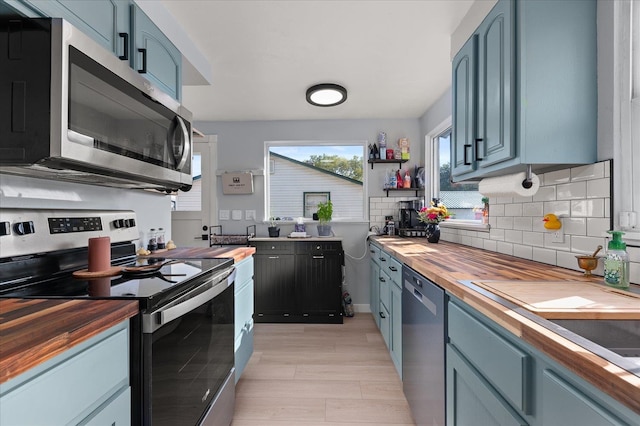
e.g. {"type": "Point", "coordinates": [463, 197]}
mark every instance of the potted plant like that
{"type": "Point", "coordinates": [274, 229]}
{"type": "Point", "coordinates": [325, 211]}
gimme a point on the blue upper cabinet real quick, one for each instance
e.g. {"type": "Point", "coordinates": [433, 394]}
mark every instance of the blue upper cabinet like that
{"type": "Point", "coordinates": [536, 94]}
{"type": "Point", "coordinates": [106, 21]}
{"type": "Point", "coordinates": [154, 55]}
{"type": "Point", "coordinates": [495, 141]}
{"type": "Point", "coordinates": [464, 108]}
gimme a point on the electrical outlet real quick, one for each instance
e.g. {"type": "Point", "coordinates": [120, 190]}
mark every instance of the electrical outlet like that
{"type": "Point", "coordinates": [236, 214]}
{"type": "Point", "coordinates": [250, 214]}
{"type": "Point", "coordinates": [557, 236]}
{"type": "Point", "coordinates": [223, 215]}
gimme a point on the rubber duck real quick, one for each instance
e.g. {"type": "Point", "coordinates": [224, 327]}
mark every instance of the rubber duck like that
{"type": "Point", "coordinates": [551, 221]}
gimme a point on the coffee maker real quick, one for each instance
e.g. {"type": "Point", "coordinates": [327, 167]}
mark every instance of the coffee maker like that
{"type": "Point", "coordinates": [409, 214]}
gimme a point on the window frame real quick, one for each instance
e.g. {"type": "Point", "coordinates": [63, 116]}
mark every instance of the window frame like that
{"type": "Point", "coordinates": [626, 137]}
{"type": "Point", "coordinates": [432, 190]}
{"type": "Point", "coordinates": [365, 177]}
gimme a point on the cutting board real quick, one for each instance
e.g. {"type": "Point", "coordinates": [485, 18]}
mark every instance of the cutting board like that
{"type": "Point", "coordinates": [567, 299]}
{"type": "Point", "coordinates": [237, 253]}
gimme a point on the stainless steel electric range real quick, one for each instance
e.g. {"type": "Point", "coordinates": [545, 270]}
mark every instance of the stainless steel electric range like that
{"type": "Point", "coordinates": [182, 341]}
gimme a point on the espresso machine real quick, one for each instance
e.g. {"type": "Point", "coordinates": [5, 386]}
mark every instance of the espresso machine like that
{"type": "Point", "coordinates": [409, 224]}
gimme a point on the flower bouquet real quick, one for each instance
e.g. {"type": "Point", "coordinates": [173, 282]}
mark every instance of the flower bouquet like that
{"type": "Point", "coordinates": [432, 216]}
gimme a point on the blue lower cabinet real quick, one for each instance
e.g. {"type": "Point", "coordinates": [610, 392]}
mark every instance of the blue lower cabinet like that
{"type": "Point", "coordinates": [244, 308]}
{"type": "Point", "coordinates": [471, 400]}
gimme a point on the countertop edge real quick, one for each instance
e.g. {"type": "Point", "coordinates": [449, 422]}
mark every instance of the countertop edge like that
{"type": "Point", "coordinates": [97, 316]}
{"type": "Point", "coordinates": [604, 375]}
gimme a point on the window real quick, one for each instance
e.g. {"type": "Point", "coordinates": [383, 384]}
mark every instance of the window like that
{"type": "Point", "coordinates": [627, 94]}
{"type": "Point", "coordinates": [299, 175]}
{"type": "Point", "coordinates": [461, 199]}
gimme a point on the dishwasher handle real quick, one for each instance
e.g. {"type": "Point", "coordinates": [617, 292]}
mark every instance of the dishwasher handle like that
{"type": "Point", "coordinates": [422, 298]}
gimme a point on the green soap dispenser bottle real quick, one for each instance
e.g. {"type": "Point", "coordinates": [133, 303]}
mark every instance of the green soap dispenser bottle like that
{"type": "Point", "coordinates": [616, 262]}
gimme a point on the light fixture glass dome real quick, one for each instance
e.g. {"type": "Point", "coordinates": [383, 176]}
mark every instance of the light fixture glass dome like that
{"type": "Point", "coordinates": [326, 94]}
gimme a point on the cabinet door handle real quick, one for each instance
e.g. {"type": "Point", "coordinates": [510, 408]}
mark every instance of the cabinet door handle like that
{"type": "Point", "coordinates": [125, 46]}
{"type": "Point", "coordinates": [382, 259]}
{"type": "Point", "coordinates": [478, 157]}
{"type": "Point", "coordinates": [144, 61]}
{"type": "Point", "coordinates": [318, 257]}
{"type": "Point", "coordinates": [393, 268]}
{"type": "Point", "coordinates": [274, 257]}
{"type": "Point", "coordinates": [382, 279]}
{"type": "Point", "coordinates": [466, 160]}
{"type": "Point", "coordinates": [382, 315]}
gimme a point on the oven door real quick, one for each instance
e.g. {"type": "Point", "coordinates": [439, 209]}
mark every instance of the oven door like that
{"type": "Point", "coordinates": [188, 355]}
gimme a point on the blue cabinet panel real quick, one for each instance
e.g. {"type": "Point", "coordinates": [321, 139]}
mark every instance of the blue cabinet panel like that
{"type": "Point", "coordinates": [464, 108]}
{"type": "Point", "coordinates": [471, 400]}
{"type": "Point", "coordinates": [154, 55]}
{"type": "Point", "coordinates": [244, 308]}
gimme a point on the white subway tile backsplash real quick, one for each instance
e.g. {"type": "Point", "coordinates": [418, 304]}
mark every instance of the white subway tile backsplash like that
{"type": "Point", "coordinates": [607, 168]}
{"type": "Point", "coordinates": [588, 172]}
{"type": "Point", "coordinates": [587, 208]}
{"type": "Point", "coordinates": [564, 245]}
{"type": "Point", "coordinates": [505, 248]}
{"type": "Point", "coordinates": [587, 245]}
{"type": "Point", "coordinates": [525, 252]}
{"type": "Point", "coordinates": [598, 227]}
{"type": "Point", "coordinates": [477, 242]}
{"type": "Point", "coordinates": [557, 177]}
{"type": "Point", "coordinates": [496, 210]}
{"type": "Point", "coordinates": [571, 191]}
{"type": "Point", "coordinates": [504, 200]}
{"type": "Point", "coordinates": [513, 210]}
{"type": "Point", "coordinates": [559, 208]}
{"type": "Point", "coordinates": [534, 239]}
{"type": "Point", "coordinates": [522, 223]}
{"type": "Point", "coordinates": [634, 254]}
{"type": "Point", "coordinates": [490, 245]}
{"type": "Point", "coordinates": [505, 222]}
{"type": "Point", "coordinates": [512, 236]}
{"type": "Point", "coordinates": [544, 255]}
{"type": "Point", "coordinates": [497, 234]}
{"type": "Point", "coordinates": [634, 273]}
{"type": "Point", "coordinates": [607, 207]}
{"type": "Point", "coordinates": [599, 188]}
{"type": "Point", "coordinates": [532, 209]}
{"type": "Point", "coordinates": [545, 193]}
{"type": "Point", "coordinates": [574, 225]}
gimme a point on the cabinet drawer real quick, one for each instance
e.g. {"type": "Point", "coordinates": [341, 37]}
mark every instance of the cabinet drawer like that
{"type": "Point", "coordinates": [266, 247]}
{"type": "Point", "coordinates": [385, 289]}
{"type": "Point", "coordinates": [374, 253]}
{"type": "Point", "coordinates": [244, 272]}
{"type": "Point", "coordinates": [116, 412]}
{"type": "Point", "coordinates": [318, 247]}
{"type": "Point", "coordinates": [64, 391]}
{"type": "Point", "coordinates": [499, 361]}
{"type": "Point", "coordinates": [392, 267]}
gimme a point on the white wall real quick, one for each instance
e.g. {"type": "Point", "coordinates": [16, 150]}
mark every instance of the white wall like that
{"type": "Point", "coordinates": [153, 209]}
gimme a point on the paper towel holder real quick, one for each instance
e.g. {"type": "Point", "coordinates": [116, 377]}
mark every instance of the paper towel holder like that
{"type": "Point", "coordinates": [528, 181]}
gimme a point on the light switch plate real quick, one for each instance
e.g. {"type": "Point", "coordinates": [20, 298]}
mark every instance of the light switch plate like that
{"type": "Point", "coordinates": [236, 214]}
{"type": "Point", "coordinates": [250, 214]}
{"type": "Point", "coordinates": [223, 215]}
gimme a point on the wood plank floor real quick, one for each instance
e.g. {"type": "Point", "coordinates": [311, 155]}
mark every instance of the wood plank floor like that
{"type": "Point", "coordinates": [320, 374]}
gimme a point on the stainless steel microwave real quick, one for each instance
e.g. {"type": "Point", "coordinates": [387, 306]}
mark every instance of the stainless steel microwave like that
{"type": "Point", "coordinates": [73, 111]}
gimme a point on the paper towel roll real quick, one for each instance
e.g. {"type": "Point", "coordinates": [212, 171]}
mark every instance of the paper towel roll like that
{"type": "Point", "coordinates": [508, 186]}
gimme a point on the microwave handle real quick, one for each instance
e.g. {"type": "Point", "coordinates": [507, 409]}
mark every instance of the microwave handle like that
{"type": "Point", "coordinates": [187, 143]}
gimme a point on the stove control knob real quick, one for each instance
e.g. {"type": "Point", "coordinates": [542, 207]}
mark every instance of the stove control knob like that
{"type": "Point", "coordinates": [118, 223]}
{"type": "Point", "coordinates": [130, 223]}
{"type": "Point", "coordinates": [24, 228]}
{"type": "Point", "coordinates": [5, 228]}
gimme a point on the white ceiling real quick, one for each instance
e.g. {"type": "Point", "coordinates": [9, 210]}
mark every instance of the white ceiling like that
{"type": "Point", "coordinates": [392, 56]}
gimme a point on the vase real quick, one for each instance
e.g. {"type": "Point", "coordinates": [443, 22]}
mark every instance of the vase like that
{"type": "Point", "coordinates": [274, 231]}
{"type": "Point", "coordinates": [433, 232]}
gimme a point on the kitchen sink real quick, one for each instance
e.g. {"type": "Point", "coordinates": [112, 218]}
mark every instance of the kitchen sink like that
{"type": "Point", "coordinates": [619, 336]}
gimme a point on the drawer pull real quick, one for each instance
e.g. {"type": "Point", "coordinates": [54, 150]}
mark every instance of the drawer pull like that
{"type": "Point", "coordinates": [393, 268]}
{"type": "Point", "coordinates": [382, 315]}
{"type": "Point", "coordinates": [318, 257]}
{"type": "Point", "coordinates": [274, 257]}
{"type": "Point", "coordinates": [382, 279]}
{"type": "Point", "coordinates": [382, 259]}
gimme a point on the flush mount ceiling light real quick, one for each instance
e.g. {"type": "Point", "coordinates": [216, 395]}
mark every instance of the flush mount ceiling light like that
{"type": "Point", "coordinates": [326, 95]}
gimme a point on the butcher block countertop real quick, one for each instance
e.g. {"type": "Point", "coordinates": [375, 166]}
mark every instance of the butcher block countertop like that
{"type": "Point", "coordinates": [238, 253]}
{"type": "Point", "coordinates": [33, 331]}
{"type": "Point", "coordinates": [447, 264]}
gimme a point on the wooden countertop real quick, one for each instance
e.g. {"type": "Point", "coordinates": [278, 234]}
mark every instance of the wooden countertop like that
{"type": "Point", "coordinates": [238, 253]}
{"type": "Point", "coordinates": [35, 330]}
{"type": "Point", "coordinates": [447, 263]}
{"type": "Point", "coordinates": [285, 238]}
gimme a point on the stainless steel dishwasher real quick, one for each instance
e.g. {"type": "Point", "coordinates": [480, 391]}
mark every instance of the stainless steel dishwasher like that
{"type": "Point", "coordinates": [423, 348]}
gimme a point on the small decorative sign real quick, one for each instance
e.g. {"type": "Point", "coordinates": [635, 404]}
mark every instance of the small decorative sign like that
{"type": "Point", "coordinates": [237, 183]}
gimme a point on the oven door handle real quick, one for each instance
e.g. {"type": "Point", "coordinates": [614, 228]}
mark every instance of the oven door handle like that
{"type": "Point", "coordinates": [156, 319]}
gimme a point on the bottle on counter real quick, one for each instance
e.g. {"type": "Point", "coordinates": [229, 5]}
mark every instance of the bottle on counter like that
{"type": "Point", "coordinates": [407, 179]}
{"type": "Point", "coordinates": [616, 262]}
{"type": "Point", "coordinates": [160, 239]}
{"type": "Point", "coordinates": [399, 181]}
{"type": "Point", "coordinates": [152, 245]}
